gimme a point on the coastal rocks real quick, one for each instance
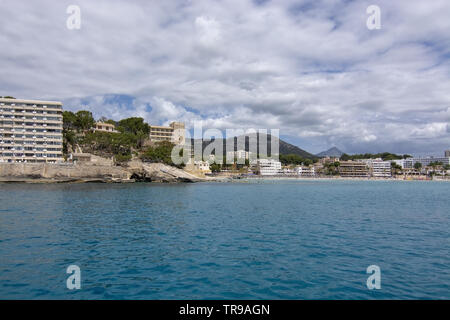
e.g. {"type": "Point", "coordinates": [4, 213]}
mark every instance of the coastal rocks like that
{"type": "Point", "coordinates": [86, 172]}
{"type": "Point", "coordinates": [158, 172]}
{"type": "Point", "coordinates": [46, 172]}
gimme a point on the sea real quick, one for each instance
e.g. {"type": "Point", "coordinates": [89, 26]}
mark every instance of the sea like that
{"type": "Point", "coordinates": [249, 239]}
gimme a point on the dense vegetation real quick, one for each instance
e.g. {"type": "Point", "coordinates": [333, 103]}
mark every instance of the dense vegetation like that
{"type": "Point", "coordinates": [386, 156]}
{"type": "Point", "coordinates": [294, 159]}
{"type": "Point", "coordinates": [131, 135]}
{"type": "Point", "coordinates": [159, 152]}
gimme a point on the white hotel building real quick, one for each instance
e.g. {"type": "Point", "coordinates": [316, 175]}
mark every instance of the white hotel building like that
{"type": "Point", "coordinates": [30, 131]}
{"type": "Point", "coordinates": [304, 171]}
{"type": "Point", "coordinates": [426, 161]}
{"type": "Point", "coordinates": [268, 167]}
{"type": "Point", "coordinates": [379, 168]}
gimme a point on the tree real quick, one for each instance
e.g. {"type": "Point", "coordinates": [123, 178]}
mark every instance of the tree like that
{"type": "Point", "coordinates": [69, 138]}
{"type": "Point", "coordinates": [69, 120]}
{"type": "Point", "coordinates": [134, 125]}
{"type": "Point", "coordinates": [417, 165]}
{"type": "Point", "coordinates": [215, 167]}
{"type": "Point", "coordinates": [161, 152]}
{"type": "Point", "coordinates": [137, 127]}
{"type": "Point", "coordinates": [84, 120]}
{"type": "Point", "coordinates": [294, 159]}
{"type": "Point", "coordinates": [396, 168]}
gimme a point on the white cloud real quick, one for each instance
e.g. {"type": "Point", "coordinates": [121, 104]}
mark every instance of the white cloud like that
{"type": "Point", "coordinates": [310, 68]}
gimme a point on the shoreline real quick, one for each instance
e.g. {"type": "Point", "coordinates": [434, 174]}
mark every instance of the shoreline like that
{"type": "Point", "coordinates": [268, 178]}
{"type": "Point", "coordinates": [137, 171]}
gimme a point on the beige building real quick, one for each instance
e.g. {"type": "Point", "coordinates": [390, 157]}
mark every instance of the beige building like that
{"type": "Point", "coordinates": [105, 127]}
{"type": "Point", "coordinates": [175, 133]}
{"type": "Point", "coordinates": [30, 131]}
{"type": "Point", "coordinates": [353, 169]}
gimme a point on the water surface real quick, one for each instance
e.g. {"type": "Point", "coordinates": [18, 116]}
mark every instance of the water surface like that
{"type": "Point", "coordinates": [248, 240]}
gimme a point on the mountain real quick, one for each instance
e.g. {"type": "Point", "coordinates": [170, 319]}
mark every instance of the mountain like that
{"type": "Point", "coordinates": [284, 147]}
{"type": "Point", "coordinates": [332, 152]}
{"type": "Point", "coordinates": [287, 148]}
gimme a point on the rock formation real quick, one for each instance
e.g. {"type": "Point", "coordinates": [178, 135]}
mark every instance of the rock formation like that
{"type": "Point", "coordinates": [91, 172]}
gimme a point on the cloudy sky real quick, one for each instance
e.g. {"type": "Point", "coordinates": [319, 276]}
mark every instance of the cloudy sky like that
{"type": "Point", "coordinates": [310, 68]}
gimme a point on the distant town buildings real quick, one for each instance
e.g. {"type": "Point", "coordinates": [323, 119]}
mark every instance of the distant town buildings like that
{"type": "Point", "coordinates": [239, 155]}
{"type": "Point", "coordinates": [326, 160]}
{"type": "Point", "coordinates": [30, 131]}
{"type": "Point", "coordinates": [105, 127]}
{"type": "Point", "coordinates": [175, 133]}
{"type": "Point", "coordinates": [426, 161]}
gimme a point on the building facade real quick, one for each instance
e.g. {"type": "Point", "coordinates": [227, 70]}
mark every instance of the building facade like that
{"type": "Point", "coordinates": [268, 167]}
{"type": "Point", "coordinates": [202, 166]}
{"type": "Point", "coordinates": [327, 160]}
{"type": "Point", "coordinates": [239, 155]}
{"type": "Point", "coordinates": [306, 171]}
{"type": "Point", "coordinates": [30, 131]}
{"type": "Point", "coordinates": [426, 161]}
{"type": "Point", "coordinates": [378, 168]}
{"type": "Point", "coordinates": [353, 169]}
{"type": "Point", "coordinates": [404, 163]}
{"type": "Point", "coordinates": [105, 127]}
{"type": "Point", "coordinates": [381, 169]}
{"type": "Point", "coordinates": [175, 133]}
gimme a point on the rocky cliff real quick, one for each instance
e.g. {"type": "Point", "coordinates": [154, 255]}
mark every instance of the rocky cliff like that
{"type": "Point", "coordinates": [133, 171]}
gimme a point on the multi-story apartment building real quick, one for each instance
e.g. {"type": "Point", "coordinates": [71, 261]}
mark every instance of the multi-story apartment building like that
{"type": "Point", "coordinates": [268, 167]}
{"type": "Point", "coordinates": [240, 156]}
{"type": "Point", "coordinates": [381, 169]}
{"type": "Point", "coordinates": [447, 153]}
{"type": "Point", "coordinates": [353, 169]}
{"type": "Point", "coordinates": [175, 133]}
{"type": "Point", "coordinates": [378, 168]}
{"type": "Point", "coordinates": [304, 171]}
{"type": "Point", "coordinates": [404, 163]}
{"type": "Point", "coordinates": [426, 161]}
{"type": "Point", "coordinates": [30, 131]}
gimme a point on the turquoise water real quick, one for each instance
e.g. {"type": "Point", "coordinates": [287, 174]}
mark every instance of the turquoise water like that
{"type": "Point", "coordinates": [256, 240]}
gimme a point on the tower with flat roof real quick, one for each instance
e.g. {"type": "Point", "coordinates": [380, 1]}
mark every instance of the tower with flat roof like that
{"type": "Point", "coordinates": [30, 131]}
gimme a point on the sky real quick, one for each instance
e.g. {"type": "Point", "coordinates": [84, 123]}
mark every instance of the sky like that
{"type": "Point", "coordinates": [312, 69]}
